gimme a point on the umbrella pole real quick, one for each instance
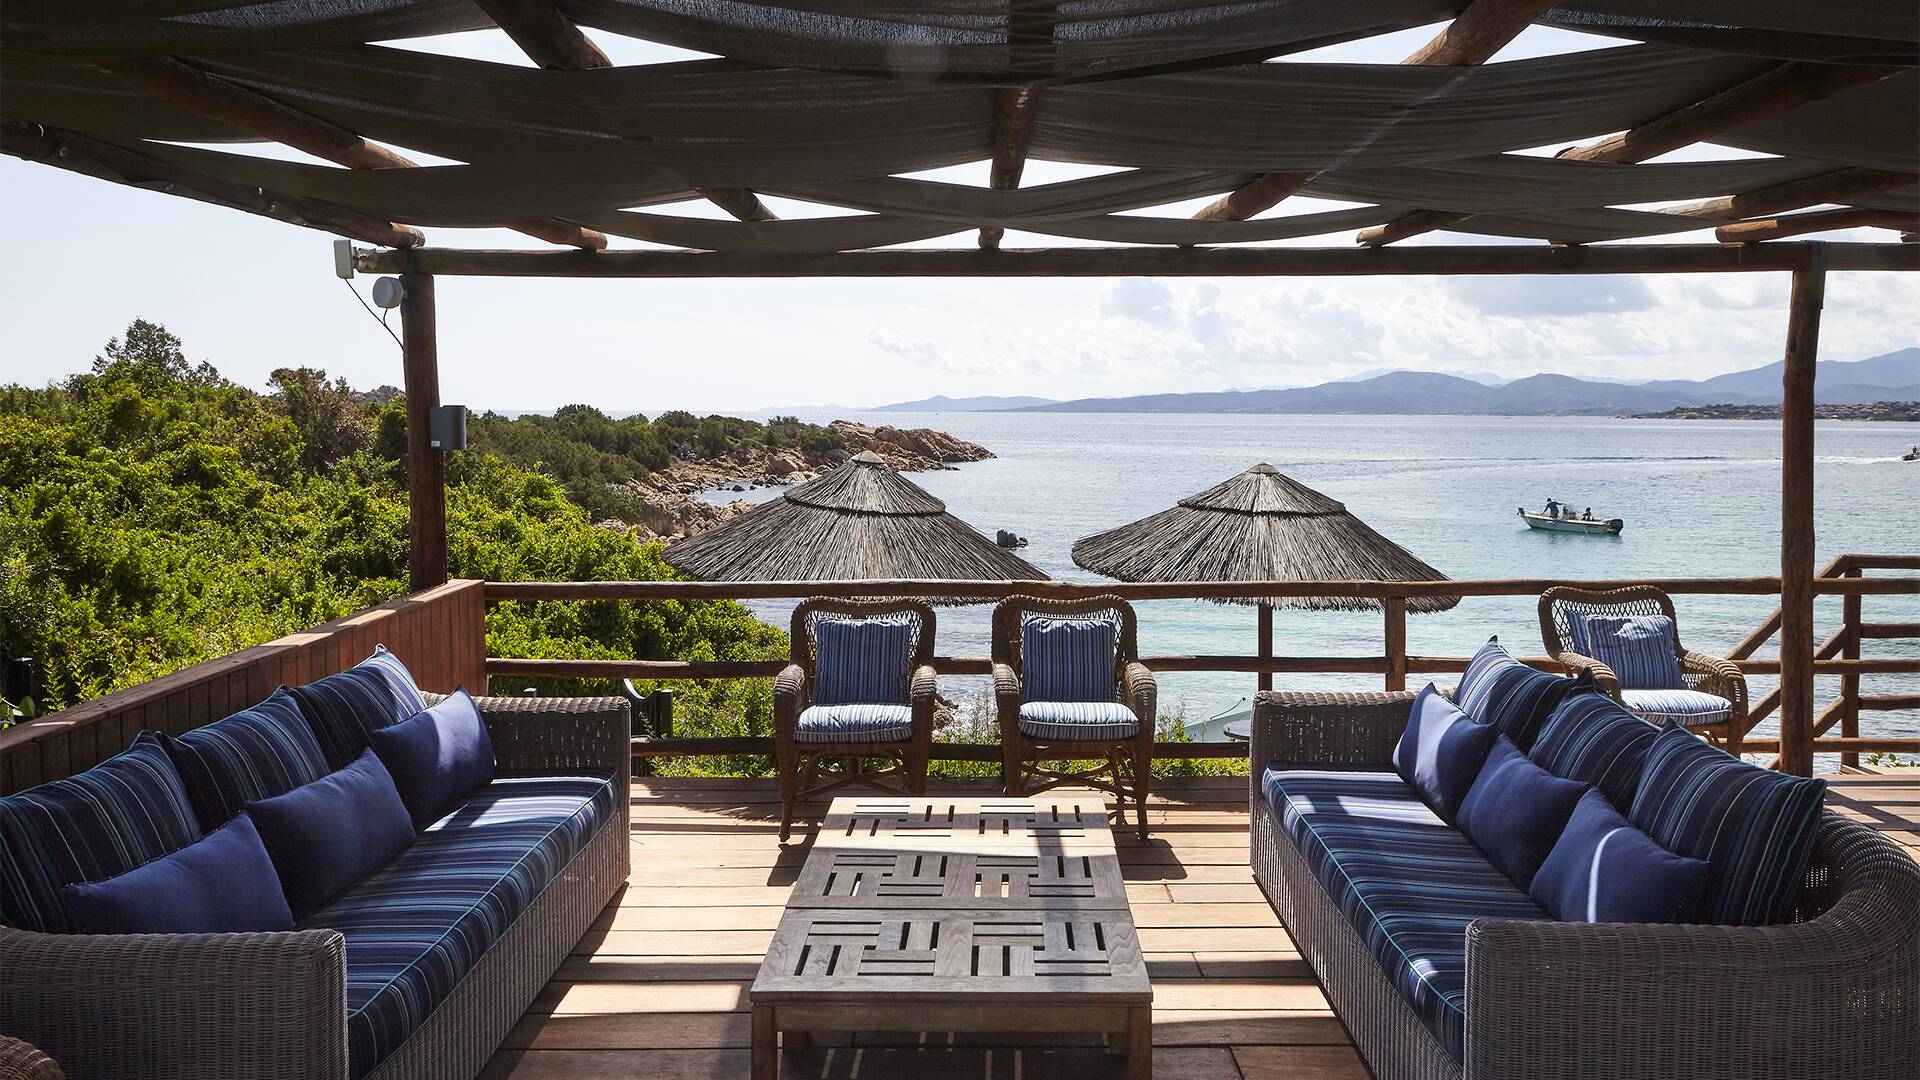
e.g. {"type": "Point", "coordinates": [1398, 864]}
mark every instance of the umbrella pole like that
{"type": "Point", "coordinates": [1266, 644]}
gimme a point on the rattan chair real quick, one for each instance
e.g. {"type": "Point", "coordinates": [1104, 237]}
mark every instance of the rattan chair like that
{"type": "Point", "coordinates": [1700, 672]}
{"type": "Point", "coordinates": [22, 1061]}
{"type": "Point", "coordinates": [1125, 764]}
{"type": "Point", "coordinates": [805, 758]}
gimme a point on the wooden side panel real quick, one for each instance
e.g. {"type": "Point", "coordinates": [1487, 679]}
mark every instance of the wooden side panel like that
{"type": "Point", "coordinates": [422, 629]}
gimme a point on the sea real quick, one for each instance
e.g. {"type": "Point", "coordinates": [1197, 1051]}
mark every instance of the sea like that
{"type": "Point", "coordinates": [1700, 498]}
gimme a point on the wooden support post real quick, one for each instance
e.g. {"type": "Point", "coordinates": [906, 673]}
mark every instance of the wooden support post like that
{"type": "Point", "coordinates": [1266, 643]}
{"type": "Point", "coordinates": [1396, 608]}
{"type": "Point", "coordinates": [1796, 514]}
{"type": "Point", "coordinates": [426, 469]}
{"type": "Point", "coordinates": [1850, 681]}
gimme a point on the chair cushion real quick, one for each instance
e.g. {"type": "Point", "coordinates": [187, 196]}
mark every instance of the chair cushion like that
{"type": "Point", "coordinates": [1753, 826]}
{"type": "Point", "coordinates": [1441, 752]}
{"type": "Point", "coordinates": [854, 723]}
{"type": "Point", "coordinates": [438, 757]}
{"type": "Point", "coordinates": [1406, 882]}
{"type": "Point", "coordinates": [1070, 720]}
{"type": "Point", "coordinates": [1639, 648]}
{"type": "Point", "coordinates": [417, 925]}
{"type": "Point", "coordinates": [223, 882]}
{"type": "Point", "coordinates": [1682, 707]}
{"type": "Point", "coordinates": [126, 811]}
{"type": "Point", "coordinates": [1605, 870]}
{"type": "Point", "coordinates": [1595, 741]}
{"type": "Point", "coordinates": [344, 709]}
{"type": "Point", "coordinates": [862, 661]}
{"type": "Point", "coordinates": [328, 834]}
{"type": "Point", "coordinates": [1067, 659]}
{"type": "Point", "coordinates": [256, 753]}
{"type": "Point", "coordinates": [1514, 698]}
{"type": "Point", "coordinates": [1516, 810]}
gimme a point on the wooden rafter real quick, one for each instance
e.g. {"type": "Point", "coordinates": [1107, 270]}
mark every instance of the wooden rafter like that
{"type": "Point", "coordinates": [91, 157]}
{"type": "Point", "coordinates": [205, 94]}
{"type": "Point", "coordinates": [1484, 28]}
{"type": "Point", "coordinates": [552, 40]}
{"type": "Point", "coordinates": [1012, 127]}
{"type": "Point", "coordinates": [1768, 94]}
{"type": "Point", "coordinates": [1838, 186]}
{"type": "Point", "coordinates": [1851, 217]}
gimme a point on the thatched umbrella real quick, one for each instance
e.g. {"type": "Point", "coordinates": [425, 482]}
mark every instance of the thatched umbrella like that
{"type": "Point", "coordinates": [1260, 526]}
{"type": "Point", "coordinates": [860, 521]}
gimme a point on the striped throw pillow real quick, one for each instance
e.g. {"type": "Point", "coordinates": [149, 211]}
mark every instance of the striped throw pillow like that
{"type": "Point", "coordinates": [1592, 739]}
{"type": "Point", "coordinates": [345, 709]}
{"type": "Point", "coordinates": [1639, 649]}
{"type": "Point", "coordinates": [1514, 698]}
{"type": "Point", "coordinates": [1491, 659]}
{"type": "Point", "coordinates": [1753, 826]}
{"type": "Point", "coordinates": [120, 814]}
{"type": "Point", "coordinates": [256, 753]}
{"type": "Point", "coordinates": [405, 690]}
{"type": "Point", "coordinates": [862, 661]}
{"type": "Point", "coordinates": [1067, 659]}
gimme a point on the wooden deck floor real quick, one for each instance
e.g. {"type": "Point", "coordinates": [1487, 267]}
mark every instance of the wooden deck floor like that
{"type": "Point", "coordinates": [658, 988]}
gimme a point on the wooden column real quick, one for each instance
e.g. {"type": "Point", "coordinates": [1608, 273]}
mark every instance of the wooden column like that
{"type": "Point", "coordinates": [1396, 637]}
{"type": "Point", "coordinates": [426, 468]}
{"type": "Point", "coordinates": [1796, 514]}
{"type": "Point", "coordinates": [1266, 644]}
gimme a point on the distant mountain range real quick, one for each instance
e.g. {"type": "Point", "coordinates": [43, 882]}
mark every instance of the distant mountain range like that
{"type": "Point", "coordinates": [943, 403]}
{"type": "Point", "coordinates": [1894, 376]}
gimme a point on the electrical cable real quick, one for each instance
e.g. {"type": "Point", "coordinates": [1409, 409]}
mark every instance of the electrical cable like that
{"type": "Point", "coordinates": [382, 319]}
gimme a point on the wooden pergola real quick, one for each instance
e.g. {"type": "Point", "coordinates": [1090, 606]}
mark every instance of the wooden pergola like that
{"type": "Point", "coordinates": [838, 104]}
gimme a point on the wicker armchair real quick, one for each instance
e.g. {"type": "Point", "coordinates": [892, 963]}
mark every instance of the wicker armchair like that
{"type": "Point", "coordinates": [804, 760]}
{"type": "Point", "coordinates": [1126, 764]}
{"type": "Point", "coordinates": [23, 1061]}
{"type": "Point", "coordinates": [1699, 671]}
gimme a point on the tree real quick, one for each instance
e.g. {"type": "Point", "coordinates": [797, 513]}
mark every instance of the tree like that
{"type": "Point", "coordinates": [329, 416]}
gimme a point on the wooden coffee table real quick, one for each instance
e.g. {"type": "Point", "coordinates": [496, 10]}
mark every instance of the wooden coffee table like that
{"type": "Point", "coordinates": [917, 914]}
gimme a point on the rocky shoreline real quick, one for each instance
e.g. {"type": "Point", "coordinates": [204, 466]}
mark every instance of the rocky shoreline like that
{"type": "Point", "coordinates": [672, 497]}
{"type": "Point", "coordinates": [1877, 410]}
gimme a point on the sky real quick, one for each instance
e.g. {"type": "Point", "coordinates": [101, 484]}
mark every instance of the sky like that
{"type": "Point", "coordinates": [248, 294]}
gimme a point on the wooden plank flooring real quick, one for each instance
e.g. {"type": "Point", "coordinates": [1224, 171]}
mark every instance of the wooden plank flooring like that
{"type": "Point", "coordinates": [657, 990]}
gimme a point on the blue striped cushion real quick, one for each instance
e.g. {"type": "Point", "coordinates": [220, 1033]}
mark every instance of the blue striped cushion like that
{"type": "Point", "coordinates": [345, 709]}
{"type": "Point", "coordinates": [126, 811]}
{"type": "Point", "coordinates": [1639, 648]}
{"type": "Point", "coordinates": [854, 723]}
{"type": "Point", "coordinates": [1753, 826]}
{"type": "Point", "coordinates": [1683, 707]}
{"type": "Point", "coordinates": [1067, 659]}
{"type": "Point", "coordinates": [1069, 720]}
{"type": "Point", "coordinates": [417, 925]}
{"type": "Point", "coordinates": [1407, 883]}
{"type": "Point", "coordinates": [1595, 741]}
{"type": "Point", "coordinates": [862, 661]}
{"type": "Point", "coordinates": [399, 679]}
{"type": "Point", "coordinates": [1516, 699]}
{"type": "Point", "coordinates": [1474, 682]}
{"type": "Point", "coordinates": [256, 753]}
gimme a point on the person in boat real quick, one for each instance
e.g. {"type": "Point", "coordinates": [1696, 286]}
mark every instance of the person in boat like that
{"type": "Point", "coordinates": [1553, 508]}
{"type": "Point", "coordinates": [1588, 516]}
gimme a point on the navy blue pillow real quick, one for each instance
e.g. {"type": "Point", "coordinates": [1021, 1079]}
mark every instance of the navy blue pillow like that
{"type": "Point", "coordinates": [256, 753]}
{"type": "Point", "coordinates": [1514, 698]}
{"type": "Point", "coordinates": [1605, 870]}
{"type": "Point", "coordinates": [1441, 752]}
{"type": "Point", "coordinates": [1593, 740]}
{"type": "Point", "coordinates": [1516, 810]}
{"type": "Point", "coordinates": [222, 883]}
{"type": "Point", "coordinates": [1753, 826]}
{"type": "Point", "coordinates": [405, 691]}
{"type": "Point", "coordinates": [437, 758]}
{"type": "Point", "coordinates": [127, 810]}
{"type": "Point", "coordinates": [345, 709]}
{"type": "Point", "coordinates": [325, 836]}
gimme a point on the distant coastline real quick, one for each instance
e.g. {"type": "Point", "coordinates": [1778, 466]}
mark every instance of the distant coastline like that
{"type": "Point", "coordinates": [1875, 410]}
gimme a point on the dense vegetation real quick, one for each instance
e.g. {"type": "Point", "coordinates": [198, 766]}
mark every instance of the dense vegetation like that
{"type": "Point", "coordinates": [155, 514]}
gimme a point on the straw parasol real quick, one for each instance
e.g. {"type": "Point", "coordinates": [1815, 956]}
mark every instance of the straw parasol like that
{"type": "Point", "coordinates": [1260, 526]}
{"type": "Point", "coordinates": [861, 521]}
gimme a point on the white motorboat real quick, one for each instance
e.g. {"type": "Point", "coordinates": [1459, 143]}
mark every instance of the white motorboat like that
{"type": "Point", "coordinates": [1574, 524]}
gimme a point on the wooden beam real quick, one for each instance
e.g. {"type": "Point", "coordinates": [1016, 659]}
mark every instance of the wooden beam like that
{"type": "Point", "coordinates": [228, 102]}
{"type": "Point", "coordinates": [1777, 228]}
{"type": "Point", "coordinates": [1012, 129]}
{"type": "Point", "coordinates": [1396, 643]}
{"type": "Point", "coordinates": [545, 34]}
{"type": "Point", "coordinates": [1484, 28]}
{"type": "Point", "coordinates": [1839, 186]}
{"type": "Point", "coordinates": [1153, 261]}
{"type": "Point", "coordinates": [426, 466]}
{"type": "Point", "coordinates": [1796, 515]}
{"type": "Point", "coordinates": [91, 157]}
{"type": "Point", "coordinates": [740, 202]}
{"type": "Point", "coordinates": [1778, 90]}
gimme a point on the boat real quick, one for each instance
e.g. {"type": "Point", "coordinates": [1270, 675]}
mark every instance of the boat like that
{"type": "Point", "coordinates": [1546, 523]}
{"type": "Point", "coordinates": [1911, 455]}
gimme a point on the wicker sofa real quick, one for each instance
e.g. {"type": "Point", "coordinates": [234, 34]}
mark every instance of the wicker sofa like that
{"type": "Point", "coordinates": [274, 1005]}
{"type": "Point", "coordinates": [1835, 993]}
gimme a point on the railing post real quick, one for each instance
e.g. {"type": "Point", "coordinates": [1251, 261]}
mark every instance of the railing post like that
{"type": "Point", "coordinates": [1796, 513]}
{"type": "Point", "coordinates": [1266, 644]}
{"type": "Point", "coordinates": [426, 467]}
{"type": "Point", "coordinates": [1850, 680]}
{"type": "Point", "coordinates": [1396, 640]}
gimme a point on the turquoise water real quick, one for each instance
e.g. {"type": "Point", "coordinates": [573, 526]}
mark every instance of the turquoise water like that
{"type": "Point", "coordinates": [1700, 499]}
